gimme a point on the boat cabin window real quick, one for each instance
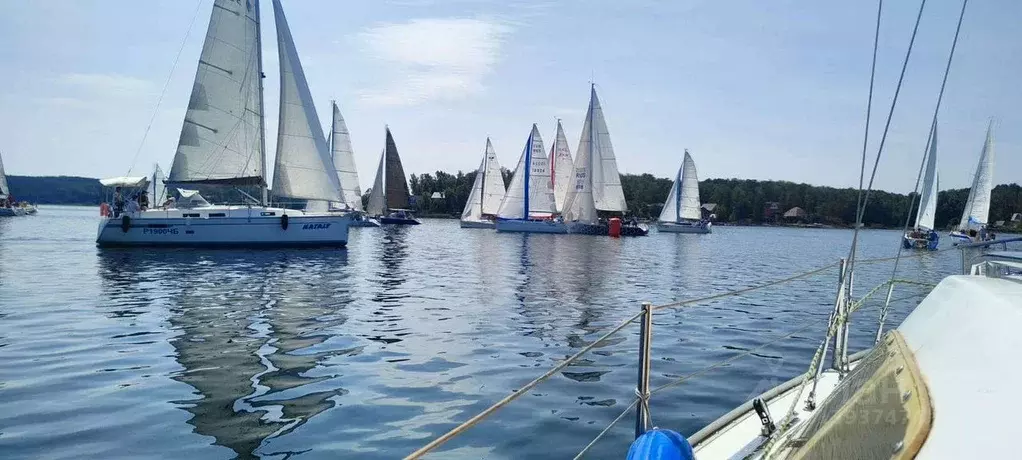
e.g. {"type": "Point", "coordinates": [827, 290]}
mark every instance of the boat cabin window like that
{"type": "Point", "coordinates": [217, 214]}
{"type": "Point", "coordinates": [190, 214]}
{"type": "Point", "coordinates": [267, 214]}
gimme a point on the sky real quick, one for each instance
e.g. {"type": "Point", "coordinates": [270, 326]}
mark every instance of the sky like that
{"type": "Point", "coordinates": [754, 89]}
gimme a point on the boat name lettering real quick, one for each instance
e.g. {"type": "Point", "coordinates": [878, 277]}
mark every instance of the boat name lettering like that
{"type": "Point", "coordinates": [159, 231]}
{"type": "Point", "coordinates": [315, 226]}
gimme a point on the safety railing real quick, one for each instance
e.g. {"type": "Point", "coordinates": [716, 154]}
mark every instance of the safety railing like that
{"type": "Point", "coordinates": [837, 329]}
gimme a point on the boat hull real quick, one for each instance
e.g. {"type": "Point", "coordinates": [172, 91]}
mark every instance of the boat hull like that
{"type": "Point", "coordinates": [910, 242]}
{"type": "Point", "coordinates": [8, 212]}
{"type": "Point", "coordinates": [363, 223]}
{"type": "Point", "coordinates": [222, 226]}
{"type": "Point", "coordinates": [530, 226]}
{"type": "Point", "coordinates": [580, 228]}
{"type": "Point", "coordinates": [478, 224]}
{"type": "Point", "coordinates": [397, 221]}
{"type": "Point", "coordinates": [685, 227]}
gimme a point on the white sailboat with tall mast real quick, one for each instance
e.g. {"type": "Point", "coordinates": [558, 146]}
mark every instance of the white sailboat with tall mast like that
{"type": "Point", "coordinates": [487, 193]}
{"type": "Point", "coordinates": [528, 204]}
{"type": "Point", "coordinates": [7, 208]}
{"type": "Point", "coordinates": [222, 143]}
{"type": "Point", "coordinates": [597, 181]}
{"type": "Point", "coordinates": [923, 235]}
{"type": "Point", "coordinates": [561, 166]}
{"type": "Point", "coordinates": [389, 197]}
{"type": "Point", "coordinates": [682, 212]}
{"type": "Point", "coordinates": [972, 227]}
{"type": "Point", "coordinates": [343, 156]}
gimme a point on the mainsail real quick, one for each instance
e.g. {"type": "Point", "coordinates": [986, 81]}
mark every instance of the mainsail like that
{"type": "Point", "coordinates": [578, 204]}
{"type": "Point", "coordinates": [222, 135]}
{"type": "Point", "coordinates": [560, 167]}
{"type": "Point", "coordinates": [928, 195]}
{"type": "Point", "coordinates": [4, 189]}
{"type": "Point", "coordinates": [303, 168]}
{"type": "Point", "coordinates": [396, 186]}
{"type": "Point", "coordinates": [493, 183]}
{"type": "Point", "coordinates": [977, 207]}
{"type": "Point", "coordinates": [376, 204]}
{"type": "Point", "coordinates": [487, 188]}
{"type": "Point", "coordinates": [529, 192]}
{"type": "Point", "coordinates": [344, 160]}
{"type": "Point", "coordinates": [607, 192]}
{"type": "Point", "coordinates": [683, 201]}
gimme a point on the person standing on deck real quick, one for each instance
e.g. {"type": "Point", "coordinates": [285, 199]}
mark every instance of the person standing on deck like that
{"type": "Point", "coordinates": [118, 202]}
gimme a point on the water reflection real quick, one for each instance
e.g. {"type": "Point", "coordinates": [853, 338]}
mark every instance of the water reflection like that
{"type": "Point", "coordinates": [390, 279]}
{"type": "Point", "coordinates": [252, 326]}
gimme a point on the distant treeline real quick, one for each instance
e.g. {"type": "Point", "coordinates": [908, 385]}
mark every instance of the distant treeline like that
{"type": "Point", "coordinates": [737, 201]}
{"type": "Point", "coordinates": [745, 201]}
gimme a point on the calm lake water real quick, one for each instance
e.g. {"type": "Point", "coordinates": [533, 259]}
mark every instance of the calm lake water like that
{"type": "Point", "coordinates": [372, 351]}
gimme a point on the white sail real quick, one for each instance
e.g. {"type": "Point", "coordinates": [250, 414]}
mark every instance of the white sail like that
{"type": "Point", "coordinates": [222, 136]}
{"type": "Point", "coordinates": [493, 182]}
{"type": "Point", "coordinates": [578, 203]}
{"type": "Point", "coordinates": [4, 188]}
{"type": "Point", "coordinates": [376, 204]}
{"type": "Point", "coordinates": [541, 191]}
{"type": "Point", "coordinates": [683, 200]}
{"type": "Point", "coordinates": [607, 192]}
{"type": "Point", "coordinates": [344, 160]}
{"type": "Point", "coordinates": [560, 167]}
{"type": "Point", "coordinates": [977, 207]}
{"type": "Point", "coordinates": [513, 204]}
{"type": "Point", "coordinates": [474, 204]}
{"type": "Point", "coordinates": [159, 188]}
{"type": "Point", "coordinates": [928, 195]}
{"type": "Point", "coordinates": [303, 168]}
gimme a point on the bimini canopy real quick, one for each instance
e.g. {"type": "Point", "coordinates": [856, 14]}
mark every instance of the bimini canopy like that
{"type": "Point", "coordinates": [139, 181]}
{"type": "Point", "coordinates": [190, 199]}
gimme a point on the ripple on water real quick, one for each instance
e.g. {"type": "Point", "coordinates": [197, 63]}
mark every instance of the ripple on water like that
{"type": "Point", "coordinates": [375, 350]}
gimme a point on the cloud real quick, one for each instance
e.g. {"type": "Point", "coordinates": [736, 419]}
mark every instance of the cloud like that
{"type": "Point", "coordinates": [432, 59]}
{"type": "Point", "coordinates": [108, 85]}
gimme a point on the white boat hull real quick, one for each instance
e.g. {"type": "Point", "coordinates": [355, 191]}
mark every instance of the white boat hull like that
{"type": "Point", "coordinates": [225, 226]}
{"type": "Point", "coordinates": [477, 224]}
{"type": "Point", "coordinates": [531, 226]}
{"type": "Point", "coordinates": [685, 227]}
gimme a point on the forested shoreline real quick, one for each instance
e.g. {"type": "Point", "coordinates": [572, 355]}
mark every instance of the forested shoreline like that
{"type": "Point", "coordinates": [738, 201]}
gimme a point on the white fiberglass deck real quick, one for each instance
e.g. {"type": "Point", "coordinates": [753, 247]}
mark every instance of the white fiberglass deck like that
{"type": "Point", "coordinates": [742, 436]}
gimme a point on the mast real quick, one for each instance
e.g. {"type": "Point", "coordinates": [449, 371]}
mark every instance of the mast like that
{"type": "Point", "coordinates": [262, 122]}
{"type": "Point", "coordinates": [677, 193]}
{"type": "Point", "coordinates": [592, 144]}
{"type": "Point", "coordinates": [528, 172]}
{"type": "Point", "coordinates": [482, 186]}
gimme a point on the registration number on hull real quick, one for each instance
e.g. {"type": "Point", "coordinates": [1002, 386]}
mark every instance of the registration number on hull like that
{"type": "Point", "coordinates": [159, 231]}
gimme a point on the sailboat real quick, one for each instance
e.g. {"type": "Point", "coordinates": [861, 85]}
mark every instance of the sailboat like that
{"type": "Point", "coordinates": [222, 143]}
{"type": "Point", "coordinates": [923, 235]}
{"type": "Point", "coordinates": [561, 166]}
{"type": "Point", "coordinates": [972, 227]}
{"type": "Point", "coordinates": [487, 193]}
{"type": "Point", "coordinates": [7, 208]}
{"type": "Point", "coordinates": [388, 200]}
{"type": "Point", "coordinates": [682, 212]}
{"type": "Point", "coordinates": [529, 201]}
{"type": "Point", "coordinates": [343, 157]}
{"type": "Point", "coordinates": [597, 182]}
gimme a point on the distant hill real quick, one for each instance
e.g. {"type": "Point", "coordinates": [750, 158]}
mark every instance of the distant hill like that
{"type": "Point", "coordinates": [56, 189]}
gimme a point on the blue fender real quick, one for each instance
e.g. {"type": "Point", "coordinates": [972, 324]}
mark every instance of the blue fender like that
{"type": "Point", "coordinates": [658, 444]}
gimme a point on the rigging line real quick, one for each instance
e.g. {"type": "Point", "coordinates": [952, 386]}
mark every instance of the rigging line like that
{"type": "Point", "coordinates": [922, 165]}
{"type": "Point", "coordinates": [725, 362]}
{"type": "Point", "coordinates": [517, 393]}
{"type": "Point", "coordinates": [166, 84]}
{"type": "Point", "coordinates": [887, 124]}
{"type": "Point", "coordinates": [605, 430]}
{"type": "Point", "coordinates": [865, 137]}
{"type": "Point", "coordinates": [682, 303]}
